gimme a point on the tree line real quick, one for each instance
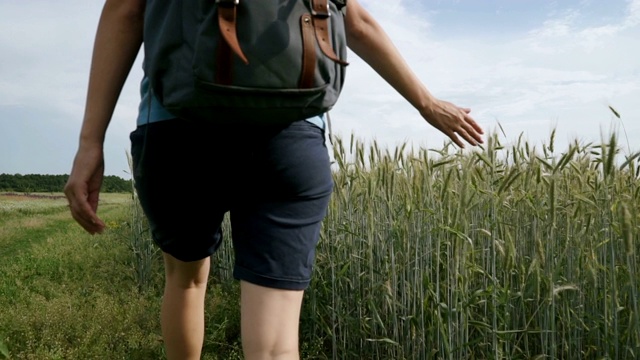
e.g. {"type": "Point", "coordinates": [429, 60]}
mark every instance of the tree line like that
{"type": "Point", "coordinates": [55, 183]}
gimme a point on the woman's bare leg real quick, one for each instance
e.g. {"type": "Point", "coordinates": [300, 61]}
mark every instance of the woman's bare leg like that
{"type": "Point", "coordinates": [182, 316]}
{"type": "Point", "coordinates": [270, 320]}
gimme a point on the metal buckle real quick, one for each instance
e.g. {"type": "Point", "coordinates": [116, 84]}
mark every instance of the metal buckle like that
{"type": "Point", "coordinates": [227, 3]}
{"type": "Point", "coordinates": [320, 15]}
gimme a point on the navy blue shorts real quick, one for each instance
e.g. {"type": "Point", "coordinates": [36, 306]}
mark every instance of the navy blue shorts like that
{"type": "Point", "coordinates": [274, 181]}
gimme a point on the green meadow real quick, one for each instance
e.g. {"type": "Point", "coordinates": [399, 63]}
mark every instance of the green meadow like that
{"type": "Point", "coordinates": [65, 294]}
{"type": "Point", "coordinates": [506, 252]}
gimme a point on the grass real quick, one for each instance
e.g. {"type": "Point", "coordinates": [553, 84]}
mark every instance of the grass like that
{"type": "Point", "coordinates": [508, 252]}
{"type": "Point", "coordinates": [498, 254]}
{"type": "Point", "coordinates": [65, 294]}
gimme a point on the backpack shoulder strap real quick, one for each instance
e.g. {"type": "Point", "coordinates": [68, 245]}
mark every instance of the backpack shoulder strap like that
{"type": "Point", "coordinates": [227, 15]}
{"type": "Point", "coordinates": [339, 3]}
{"type": "Point", "coordinates": [321, 15]}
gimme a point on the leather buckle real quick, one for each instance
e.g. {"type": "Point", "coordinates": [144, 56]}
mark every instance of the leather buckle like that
{"type": "Point", "coordinates": [227, 3]}
{"type": "Point", "coordinates": [321, 15]}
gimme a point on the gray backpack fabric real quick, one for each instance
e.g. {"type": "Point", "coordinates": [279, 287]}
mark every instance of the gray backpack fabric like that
{"type": "Point", "coordinates": [245, 61]}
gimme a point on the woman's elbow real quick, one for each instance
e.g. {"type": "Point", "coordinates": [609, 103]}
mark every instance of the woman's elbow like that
{"type": "Point", "coordinates": [355, 34]}
{"type": "Point", "coordinates": [129, 9]}
{"type": "Point", "coordinates": [360, 25]}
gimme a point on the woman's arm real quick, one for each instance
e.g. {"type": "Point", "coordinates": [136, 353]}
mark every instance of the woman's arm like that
{"type": "Point", "coordinates": [118, 40]}
{"type": "Point", "coordinates": [369, 41]}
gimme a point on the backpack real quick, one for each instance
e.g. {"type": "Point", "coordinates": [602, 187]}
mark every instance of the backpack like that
{"type": "Point", "coordinates": [245, 61]}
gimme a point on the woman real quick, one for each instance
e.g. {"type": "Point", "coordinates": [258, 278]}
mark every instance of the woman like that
{"type": "Point", "coordinates": [276, 219]}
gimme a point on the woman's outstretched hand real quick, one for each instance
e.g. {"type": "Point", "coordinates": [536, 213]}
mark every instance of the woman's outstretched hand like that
{"type": "Point", "coordinates": [453, 121]}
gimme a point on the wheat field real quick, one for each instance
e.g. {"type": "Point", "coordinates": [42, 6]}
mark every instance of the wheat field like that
{"type": "Point", "coordinates": [508, 252]}
{"type": "Point", "coordinates": [504, 252]}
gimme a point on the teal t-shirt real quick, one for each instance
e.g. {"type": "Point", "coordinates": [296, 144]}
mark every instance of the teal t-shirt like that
{"type": "Point", "coordinates": [150, 109]}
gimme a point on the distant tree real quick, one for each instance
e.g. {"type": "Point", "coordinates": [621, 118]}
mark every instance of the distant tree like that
{"type": "Point", "coordinates": [115, 184]}
{"type": "Point", "coordinates": [55, 183]}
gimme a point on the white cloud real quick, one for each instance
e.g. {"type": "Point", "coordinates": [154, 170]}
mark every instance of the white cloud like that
{"type": "Point", "coordinates": [562, 74]}
{"type": "Point", "coordinates": [564, 30]}
{"type": "Point", "coordinates": [46, 52]}
{"type": "Point", "coordinates": [633, 18]}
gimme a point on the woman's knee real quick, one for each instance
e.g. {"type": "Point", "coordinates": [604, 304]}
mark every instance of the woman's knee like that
{"type": "Point", "coordinates": [186, 275]}
{"type": "Point", "coordinates": [270, 320]}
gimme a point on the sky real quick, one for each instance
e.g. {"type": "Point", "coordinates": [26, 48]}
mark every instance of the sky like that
{"type": "Point", "coordinates": [529, 66]}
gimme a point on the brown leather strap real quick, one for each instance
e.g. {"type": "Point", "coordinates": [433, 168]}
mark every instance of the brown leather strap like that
{"type": "Point", "coordinates": [308, 52]}
{"type": "Point", "coordinates": [227, 21]}
{"type": "Point", "coordinates": [224, 63]}
{"type": "Point", "coordinates": [321, 15]}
